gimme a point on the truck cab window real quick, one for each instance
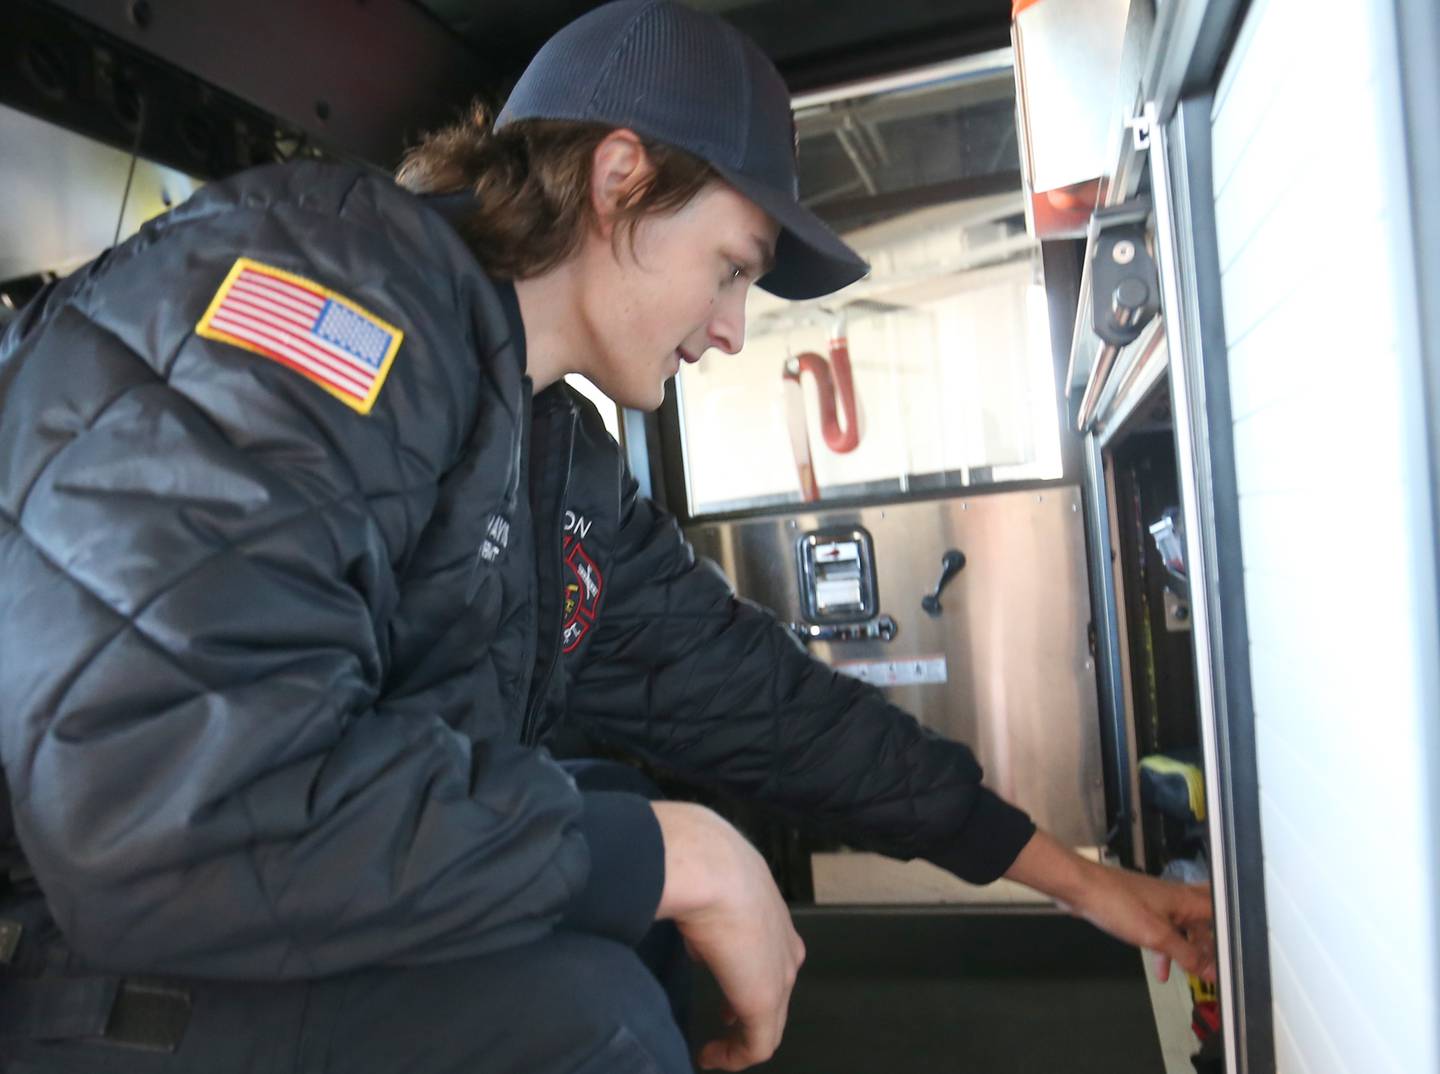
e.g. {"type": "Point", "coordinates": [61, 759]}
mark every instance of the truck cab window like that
{"type": "Point", "coordinates": [932, 373]}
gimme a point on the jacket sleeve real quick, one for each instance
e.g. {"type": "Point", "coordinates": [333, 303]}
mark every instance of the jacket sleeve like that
{"type": "Point", "coordinates": [716, 689]}
{"type": "Point", "coordinates": [209, 769]}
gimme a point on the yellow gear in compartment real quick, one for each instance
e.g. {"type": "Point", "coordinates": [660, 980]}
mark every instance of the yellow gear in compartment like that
{"type": "Point", "coordinates": [1193, 777]}
{"type": "Point", "coordinates": [1200, 992]}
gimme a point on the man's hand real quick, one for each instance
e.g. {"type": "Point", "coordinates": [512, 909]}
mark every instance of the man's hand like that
{"type": "Point", "coordinates": [720, 895]}
{"type": "Point", "coordinates": [1170, 920]}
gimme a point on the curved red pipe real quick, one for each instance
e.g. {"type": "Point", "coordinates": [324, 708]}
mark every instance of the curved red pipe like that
{"type": "Point", "coordinates": [840, 441]}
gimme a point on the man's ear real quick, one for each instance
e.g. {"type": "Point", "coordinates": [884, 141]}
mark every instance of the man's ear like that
{"type": "Point", "coordinates": [620, 164]}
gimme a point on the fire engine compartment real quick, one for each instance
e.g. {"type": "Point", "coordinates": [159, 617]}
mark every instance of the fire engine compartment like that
{"type": "Point", "coordinates": [1061, 574]}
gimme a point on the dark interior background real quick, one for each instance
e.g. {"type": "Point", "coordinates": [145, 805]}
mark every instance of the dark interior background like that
{"type": "Point", "coordinates": [210, 88]}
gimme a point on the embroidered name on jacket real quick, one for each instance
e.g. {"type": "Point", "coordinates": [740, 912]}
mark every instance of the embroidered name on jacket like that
{"type": "Point", "coordinates": [583, 586]}
{"type": "Point", "coordinates": [320, 334]}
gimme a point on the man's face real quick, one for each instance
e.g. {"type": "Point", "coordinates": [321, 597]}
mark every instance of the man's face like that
{"type": "Point", "coordinates": [679, 291]}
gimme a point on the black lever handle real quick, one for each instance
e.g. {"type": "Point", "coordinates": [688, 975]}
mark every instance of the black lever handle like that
{"type": "Point", "coordinates": [951, 564]}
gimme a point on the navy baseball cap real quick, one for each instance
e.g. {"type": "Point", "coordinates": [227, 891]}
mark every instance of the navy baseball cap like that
{"type": "Point", "coordinates": [691, 80]}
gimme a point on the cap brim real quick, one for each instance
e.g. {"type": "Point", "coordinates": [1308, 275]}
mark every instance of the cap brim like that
{"type": "Point", "coordinates": [810, 259]}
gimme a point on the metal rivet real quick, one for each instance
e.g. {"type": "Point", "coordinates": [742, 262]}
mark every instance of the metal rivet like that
{"type": "Point", "coordinates": [1123, 252]}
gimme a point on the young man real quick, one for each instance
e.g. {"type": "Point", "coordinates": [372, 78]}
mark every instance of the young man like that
{"type": "Point", "coordinates": [307, 548]}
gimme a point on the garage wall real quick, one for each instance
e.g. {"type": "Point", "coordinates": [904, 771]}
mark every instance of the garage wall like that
{"type": "Point", "coordinates": [1324, 364]}
{"type": "Point", "coordinates": [63, 194]}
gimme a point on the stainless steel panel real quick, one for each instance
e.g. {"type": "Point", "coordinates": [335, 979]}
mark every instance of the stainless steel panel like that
{"type": "Point", "coordinates": [1020, 686]}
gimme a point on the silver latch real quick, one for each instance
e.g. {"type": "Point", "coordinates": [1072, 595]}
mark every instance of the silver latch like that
{"type": "Point", "coordinates": [882, 628]}
{"type": "Point", "coordinates": [1140, 126]}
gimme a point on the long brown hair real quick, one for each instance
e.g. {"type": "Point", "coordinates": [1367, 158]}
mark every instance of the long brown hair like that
{"type": "Point", "coordinates": [531, 183]}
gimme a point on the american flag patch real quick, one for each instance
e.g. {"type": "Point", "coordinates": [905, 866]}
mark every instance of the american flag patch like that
{"type": "Point", "coordinates": [294, 321]}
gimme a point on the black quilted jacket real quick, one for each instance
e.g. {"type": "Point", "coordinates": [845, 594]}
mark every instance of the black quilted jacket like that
{"type": "Point", "coordinates": [274, 671]}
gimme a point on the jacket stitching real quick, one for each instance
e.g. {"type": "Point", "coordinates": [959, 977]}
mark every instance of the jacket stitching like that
{"type": "Point", "coordinates": [61, 450]}
{"type": "Point", "coordinates": [163, 654]}
{"type": "Point", "coordinates": [292, 942]}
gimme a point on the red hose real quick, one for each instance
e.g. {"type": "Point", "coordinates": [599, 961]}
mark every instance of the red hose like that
{"type": "Point", "coordinates": [840, 441]}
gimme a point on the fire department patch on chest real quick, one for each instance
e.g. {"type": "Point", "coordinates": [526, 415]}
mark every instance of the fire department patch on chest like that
{"type": "Point", "coordinates": [319, 333]}
{"type": "Point", "coordinates": [583, 586]}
